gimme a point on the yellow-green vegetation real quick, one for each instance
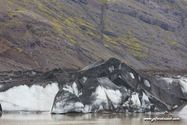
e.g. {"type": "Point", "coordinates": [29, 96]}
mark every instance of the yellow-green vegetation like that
{"type": "Point", "coordinates": [144, 25]}
{"type": "Point", "coordinates": [128, 35]}
{"type": "Point", "coordinates": [99, 56]}
{"type": "Point", "coordinates": [125, 42]}
{"type": "Point", "coordinates": [72, 40]}
{"type": "Point", "coordinates": [132, 30]}
{"type": "Point", "coordinates": [167, 6]}
{"type": "Point", "coordinates": [168, 33]}
{"type": "Point", "coordinates": [116, 38]}
{"type": "Point", "coordinates": [105, 45]}
{"type": "Point", "coordinates": [171, 43]}
{"type": "Point", "coordinates": [86, 7]}
{"type": "Point", "coordinates": [91, 33]}
{"type": "Point", "coordinates": [110, 40]}
{"type": "Point", "coordinates": [167, 36]}
{"type": "Point", "coordinates": [121, 17]}
{"type": "Point", "coordinates": [83, 23]}
{"type": "Point", "coordinates": [114, 24]}
{"type": "Point", "coordinates": [10, 14]}
{"type": "Point", "coordinates": [103, 2]}
{"type": "Point", "coordinates": [134, 46]}
{"type": "Point", "coordinates": [116, 48]}
{"type": "Point", "coordinates": [152, 36]}
{"type": "Point", "coordinates": [78, 67]}
{"type": "Point", "coordinates": [19, 50]}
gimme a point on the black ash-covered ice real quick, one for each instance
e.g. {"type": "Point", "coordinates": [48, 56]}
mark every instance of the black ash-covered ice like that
{"type": "Point", "coordinates": [112, 86]}
{"type": "Point", "coordinates": [106, 87]}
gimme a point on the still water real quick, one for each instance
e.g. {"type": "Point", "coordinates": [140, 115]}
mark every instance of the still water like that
{"type": "Point", "coordinates": [84, 119]}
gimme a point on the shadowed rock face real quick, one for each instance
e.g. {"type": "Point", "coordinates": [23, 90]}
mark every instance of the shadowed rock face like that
{"type": "Point", "coordinates": [106, 86]}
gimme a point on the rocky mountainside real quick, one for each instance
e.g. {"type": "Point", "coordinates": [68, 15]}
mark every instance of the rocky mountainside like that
{"type": "Point", "coordinates": [51, 34]}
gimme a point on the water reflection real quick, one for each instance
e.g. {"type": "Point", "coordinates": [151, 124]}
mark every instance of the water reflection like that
{"type": "Point", "coordinates": [92, 118]}
{"type": "Point", "coordinates": [96, 116]}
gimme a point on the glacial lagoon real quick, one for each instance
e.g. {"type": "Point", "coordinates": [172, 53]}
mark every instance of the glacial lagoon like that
{"type": "Point", "coordinates": [26, 118]}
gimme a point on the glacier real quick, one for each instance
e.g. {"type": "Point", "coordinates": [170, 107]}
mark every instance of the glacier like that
{"type": "Point", "coordinates": [107, 87]}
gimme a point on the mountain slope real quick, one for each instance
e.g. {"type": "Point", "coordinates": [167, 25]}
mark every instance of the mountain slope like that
{"type": "Point", "coordinates": [74, 33]}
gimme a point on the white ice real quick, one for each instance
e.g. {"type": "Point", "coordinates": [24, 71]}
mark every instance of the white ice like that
{"type": "Point", "coordinates": [64, 107]}
{"type": "Point", "coordinates": [146, 82]}
{"type": "Point", "coordinates": [144, 98]}
{"type": "Point", "coordinates": [111, 69]}
{"type": "Point", "coordinates": [35, 98]}
{"type": "Point", "coordinates": [72, 89]}
{"type": "Point", "coordinates": [75, 89]}
{"type": "Point", "coordinates": [132, 75]}
{"type": "Point", "coordinates": [114, 96]}
{"type": "Point", "coordinates": [168, 80]}
{"type": "Point", "coordinates": [100, 98]}
{"type": "Point", "coordinates": [183, 83]}
{"type": "Point", "coordinates": [84, 79]}
{"type": "Point", "coordinates": [68, 88]}
{"type": "Point", "coordinates": [135, 100]}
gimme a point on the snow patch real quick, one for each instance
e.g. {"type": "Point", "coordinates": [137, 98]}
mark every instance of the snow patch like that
{"type": "Point", "coordinates": [35, 98]}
